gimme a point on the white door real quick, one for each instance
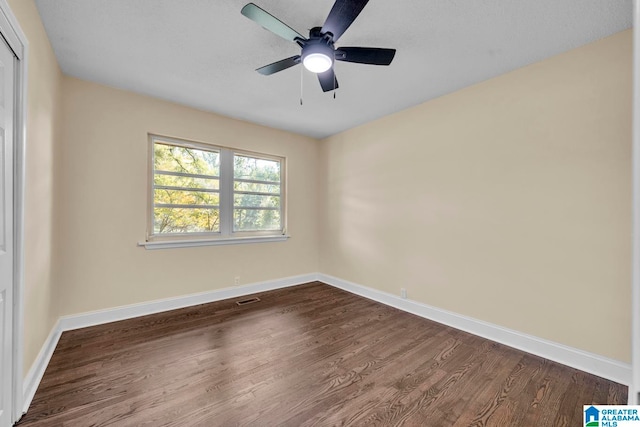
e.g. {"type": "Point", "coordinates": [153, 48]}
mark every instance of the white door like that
{"type": "Point", "coordinates": [7, 63]}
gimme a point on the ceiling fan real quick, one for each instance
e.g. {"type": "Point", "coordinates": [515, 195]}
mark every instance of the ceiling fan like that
{"type": "Point", "coordinates": [318, 51]}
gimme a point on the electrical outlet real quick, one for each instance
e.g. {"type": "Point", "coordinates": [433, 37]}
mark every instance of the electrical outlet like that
{"type": "Point", "coordinates": [403, 293]}
{"type": "Point", "coordinates": [236, 281]}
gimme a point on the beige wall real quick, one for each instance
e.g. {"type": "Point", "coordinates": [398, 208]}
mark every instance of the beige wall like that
{"type": "Point", "coordinates": [43, 137]}
{"type": "Point", "coordinates": [508, 201]}
{"type": "Point", "coordinates": [104, 182]}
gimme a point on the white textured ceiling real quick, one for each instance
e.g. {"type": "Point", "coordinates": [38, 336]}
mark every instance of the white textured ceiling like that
{"type": "Point", "coordinates": [203, 53]}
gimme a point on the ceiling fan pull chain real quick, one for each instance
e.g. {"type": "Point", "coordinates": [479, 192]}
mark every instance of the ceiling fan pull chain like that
{"type": "Point", "coordinates": [301, 85]}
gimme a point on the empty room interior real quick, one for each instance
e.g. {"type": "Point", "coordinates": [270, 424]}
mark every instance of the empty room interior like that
{"type": "Point", "coordinates": [439, 234]}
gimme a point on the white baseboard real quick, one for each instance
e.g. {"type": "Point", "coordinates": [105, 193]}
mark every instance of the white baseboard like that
{"type": "Point", "coordinates": [92, 318]}
{"type": "Point", "coordinates": [601, 366]}
{"type": "Point", "coordinates": [36, 372]}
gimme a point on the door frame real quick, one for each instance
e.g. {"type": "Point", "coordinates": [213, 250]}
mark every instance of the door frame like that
{"type": "Point", "coordinates": [14, 36]}
{"type": "Point", "coordinates": [634, 389]}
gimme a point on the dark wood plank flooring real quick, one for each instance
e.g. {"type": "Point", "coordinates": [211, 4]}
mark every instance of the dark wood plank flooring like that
{"type": "Point", "coordinates": [302, 356]}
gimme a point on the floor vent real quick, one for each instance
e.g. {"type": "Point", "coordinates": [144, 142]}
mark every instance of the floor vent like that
{"type": "Point", "coordinates": [248, 301]}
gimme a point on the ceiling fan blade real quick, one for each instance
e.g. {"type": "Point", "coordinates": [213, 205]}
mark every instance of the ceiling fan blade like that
{"type": "Point", "coordinates": [270, 22]}
{"type": "Point", "coordinates": [279, 66]}
{"type": "Point", "coordinates": [342, 15]}
{"type": "Point", "coordinates": [365, 55]}
{"type": "Point", "coordinates": [328, 80]}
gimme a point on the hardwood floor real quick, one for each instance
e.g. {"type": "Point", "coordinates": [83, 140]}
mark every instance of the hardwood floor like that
{"type": "Point", "coordinates": [302, 356]}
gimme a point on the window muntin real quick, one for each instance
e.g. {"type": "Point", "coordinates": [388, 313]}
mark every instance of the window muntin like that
{"type": "Point", "coordinates": [203, 191]}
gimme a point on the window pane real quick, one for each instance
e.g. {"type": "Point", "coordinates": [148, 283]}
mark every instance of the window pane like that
{"type": "Point", "coordinates": [180, 197]}
{"type": "Point", "coordinates": [185, 220]}
{"type": "Point", "coordinates": [185, 181]}
{"type": "Point", "coordinates": [255, 201]}
{"type": "Point", "coordinates": [188, 160]}
{"type": "Point", "coordinates": [256, 220]}
{"type": "Point", "coordinates": [257, 169]}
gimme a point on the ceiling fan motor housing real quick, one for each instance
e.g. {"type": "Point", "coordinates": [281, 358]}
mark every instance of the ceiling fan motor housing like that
{"type": "Point", "coordinates": [319, 43]}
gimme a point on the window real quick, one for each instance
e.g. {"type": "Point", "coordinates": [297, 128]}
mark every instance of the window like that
{"type": "Point", "coordinates": [200, 191]}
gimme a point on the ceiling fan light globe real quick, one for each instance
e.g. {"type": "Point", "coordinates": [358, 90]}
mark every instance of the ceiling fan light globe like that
{"type": "Point", "coordinates": [317, 62]}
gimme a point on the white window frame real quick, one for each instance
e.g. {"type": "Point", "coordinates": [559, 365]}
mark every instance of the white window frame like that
{"type": "Point", "coordinates": [226, 235]}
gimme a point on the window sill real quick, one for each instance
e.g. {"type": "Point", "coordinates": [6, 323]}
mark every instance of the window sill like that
{"type": "Point", "coordinates": [170, 244]}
